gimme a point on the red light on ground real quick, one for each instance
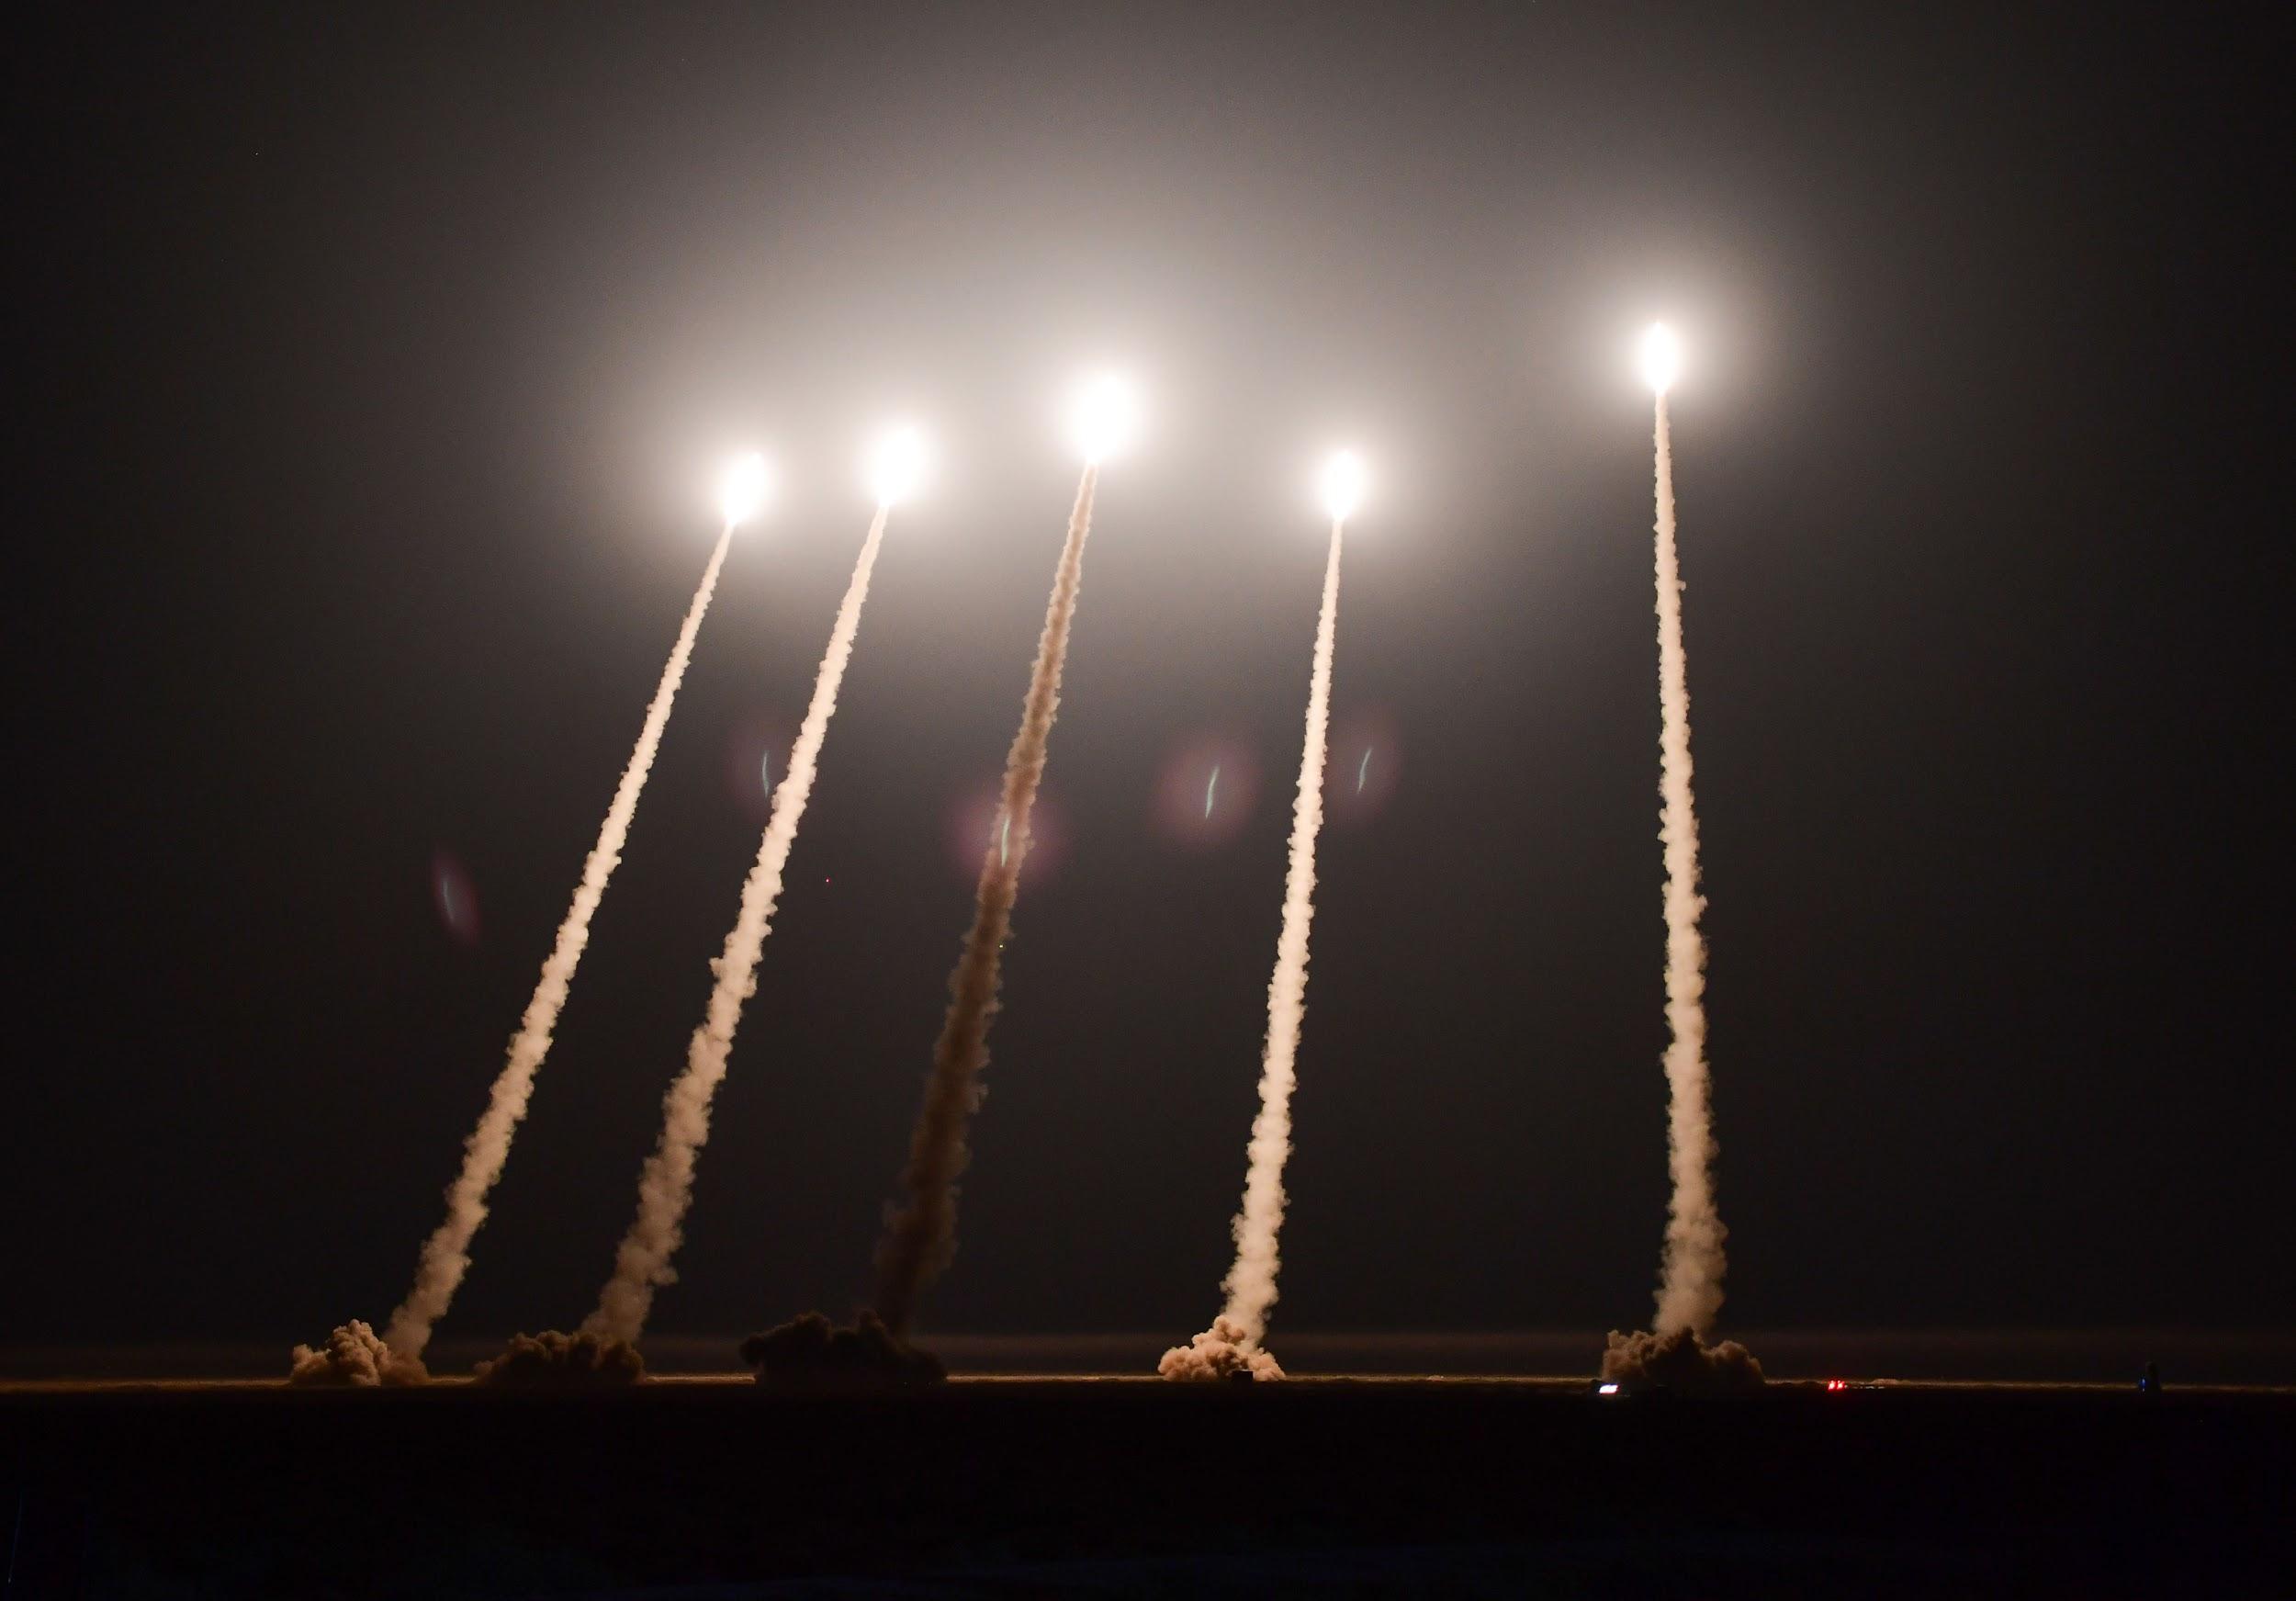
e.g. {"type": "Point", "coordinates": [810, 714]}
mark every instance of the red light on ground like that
{"type": "Point", "coordinates": [1832, 1384]}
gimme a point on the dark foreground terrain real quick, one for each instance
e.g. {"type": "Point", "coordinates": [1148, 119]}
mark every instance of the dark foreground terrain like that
{"type": "Point", "coordinates": [1073, 1487]}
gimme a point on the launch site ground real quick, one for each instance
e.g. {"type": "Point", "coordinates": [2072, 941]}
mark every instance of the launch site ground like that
{"type": "Point", "coordinates": [705, 1485]}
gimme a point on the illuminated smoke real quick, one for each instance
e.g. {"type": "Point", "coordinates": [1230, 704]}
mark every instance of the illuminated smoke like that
{"type": "Point", "coordinates": [1221, 1351]}
{"type": "Point", "coordinates": [665, 1188]}
{"type": "Point", "coordinates": [1680, 1360]}
{"type": "Point", "coordinates": [552, 1361]}
{"type": "Point", "coordinates": [354, 1356]}
{"type": "Point", "coordinates": [1251, 1282]}
{"type": "Point", "coordinates": [447, 1255]}
{"type": "Point", "coordinates": [1689, 1288]}
{"type": "Point", "coordinates": [921, 1231]}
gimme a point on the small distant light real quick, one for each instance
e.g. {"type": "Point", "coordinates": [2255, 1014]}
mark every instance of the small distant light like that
{"type": "Point", "coordinates": [1835, 1384]}
{"type": "Point", "coordinates": [1606, 1388]}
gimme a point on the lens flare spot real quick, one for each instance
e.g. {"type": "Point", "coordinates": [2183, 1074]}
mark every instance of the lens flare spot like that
{"type": "Point", "coordinates": [457, 900]}
{"type": "Point", "coordinates": [1366, 741]}
{"type": "Point", "coordinates": [977, 825]}
{"type": "Point", "coordinates": [750, 746]}
{"type": "Point", "coordinates": [1205, 793]}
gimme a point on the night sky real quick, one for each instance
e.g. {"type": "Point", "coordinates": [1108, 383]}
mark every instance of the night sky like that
{"type": "Point", "coordinates": [371, 385]}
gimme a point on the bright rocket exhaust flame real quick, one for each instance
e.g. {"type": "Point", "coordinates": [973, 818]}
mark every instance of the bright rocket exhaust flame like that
{"type": "Point", "coordinates": [744, 491]}
{"type": "Point", "coordinates": [1342, 484]}
{"type": "Point", "coordinates": [1234, 1345]}
{"type": "Point", "coordinates": [665, 1185]}
{"type": "Point", "coordinates": [1661, 358]}
{"type": "Point", "coordinates": [896, 466]}
{"type": "Point", "coordinates": [1103, 417]}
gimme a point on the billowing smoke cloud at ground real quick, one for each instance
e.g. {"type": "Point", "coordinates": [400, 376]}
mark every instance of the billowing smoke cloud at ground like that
{"type": "Point", "coordinates": [1235, 1337]}
{"type": "Point", "coordinates": [555, 1360]}
{"type": "Point", "coordinates": [665, 1185]}
{"type": "Point", "coordinates": [1221, 1351]}
{"type": "Point", "coordinates": [447, 1254]}
{"type": "Point", "coordinates": [1690, 1287]}
{"type": "Point", "coordinates": [1682, 1361]}
{"type": "Point", "coordinates": [354, 1356]}
{"type": "Point", "coordinates": [809, 1351]}
{"type": "Point", "coordinates": [920, 1229]}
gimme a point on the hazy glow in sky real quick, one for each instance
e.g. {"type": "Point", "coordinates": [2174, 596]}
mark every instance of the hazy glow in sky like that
{"type": "Point", "coordinates": [744, 489]}
{"type": "Point", "coordinates": [1661, 357]}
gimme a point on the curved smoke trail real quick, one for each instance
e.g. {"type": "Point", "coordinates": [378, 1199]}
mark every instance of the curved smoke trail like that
{"type": "Point", "coordinates": [1689, 1288]}
{"type": "Point", "coordinates": [447, 1255]}
{"type": "Point", "coordinates": [920, 1233]}
{"type": "Point", "coordinates": [664, 1187]}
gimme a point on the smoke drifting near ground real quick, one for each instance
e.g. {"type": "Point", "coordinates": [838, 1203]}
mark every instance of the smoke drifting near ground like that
{"type": "Point", "coordinates": [665, 1185]}
{"type": "Point", "coordinates": [1220, 1352]}
{"type": "Point", "coordinates": [921, 1229]}
{"type": "Point", "coordinates": [1682, 1361]}
{"type": "Point", "coordinates": [447, 1255]}
{"type": "Point", "coordinates": [1250, 1285]}
{"type": "Point", "coordinates": [354, 1356]}
{"type": "Point", "coordinates": [555, 1360]}
{"type": "Point", "coordinates": [809, 1351]}
{"type": "Point", "coordinates": [1690, 1289]}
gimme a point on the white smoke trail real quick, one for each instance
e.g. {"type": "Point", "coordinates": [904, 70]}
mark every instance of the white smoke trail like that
{"type": "Point", "coordinates": [1251, 1282]}
{"type": "Point", "coordinates": [665, 1188]}
{"type": "Point", "coordinates": [447, 1255]}
{"type": "Point", "coordinates": [1689, 1288]}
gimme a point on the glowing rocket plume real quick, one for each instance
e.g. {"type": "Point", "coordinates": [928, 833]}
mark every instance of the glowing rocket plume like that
{"type": "Point", "coordinates": [447, 1255]}
{"type": "Point", "coordinates": [664, 1187]}
{"type": "Point", "coordinates": [1251, 1282]}
{"type": "Point", "coordinates": [921, 1231]}
{"type": "Point", "coordinates": [1689, 1288]}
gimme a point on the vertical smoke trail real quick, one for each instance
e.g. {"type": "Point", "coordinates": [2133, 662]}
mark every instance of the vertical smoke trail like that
{"type": "Point", "coordinates": [447, 1255]}
{"type": "Point", "coordinates": [1690, 1289]}
{"type": "Point", "coordinates": [1251, 1282]}
{"type": "Point", "coordinates": [664, 1187]}
{"type": "Point", "coordinates": [920, 1233]}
